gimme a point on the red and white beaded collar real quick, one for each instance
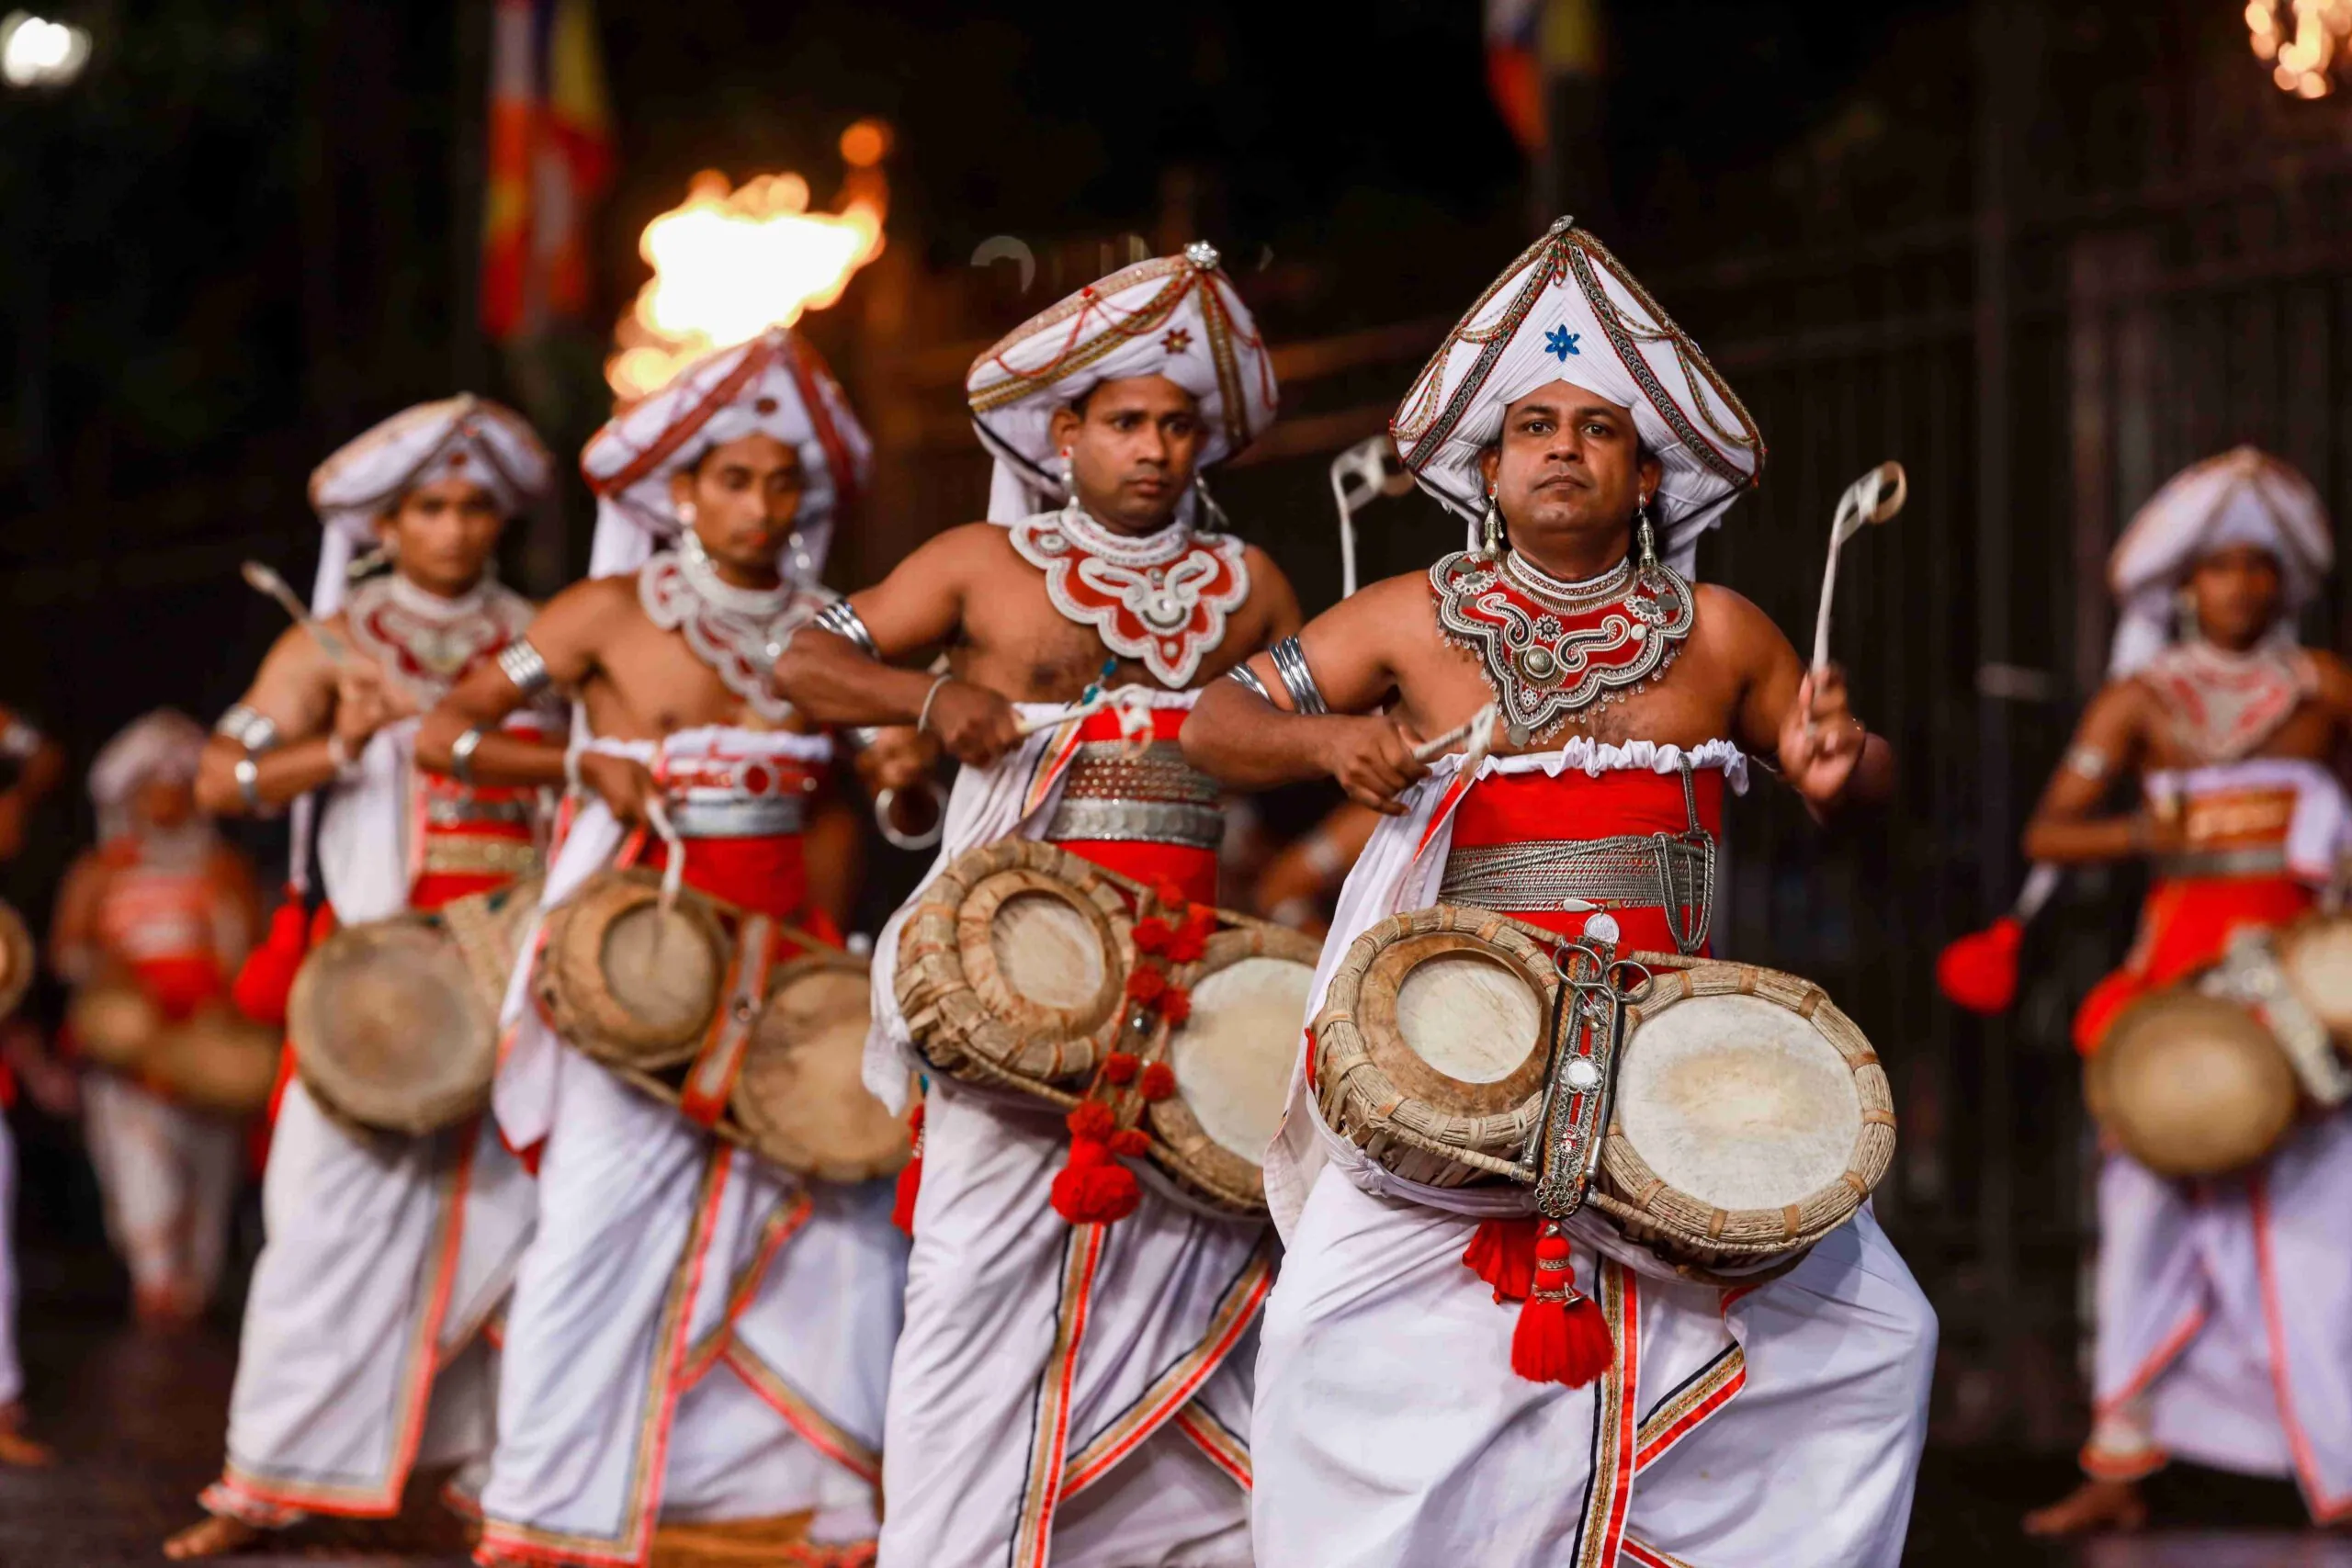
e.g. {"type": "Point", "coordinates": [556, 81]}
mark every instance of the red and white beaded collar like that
{"type": "Point", "coordinates": [739, 632]}
{"type": "Point", "coordinates": [1162, 598]}
{"type": "Point", "coordinates": [427, 643]}
{"type": "Point", "coordinates": [2219, 705]}
{"type": "Point", "coordinates": [1550, 649]}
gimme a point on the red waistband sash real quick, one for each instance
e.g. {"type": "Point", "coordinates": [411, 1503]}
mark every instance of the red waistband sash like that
{"type": "Point", "coordinates": [2186, 924]}
{"type": "Point", "coordinates": [765, 875]}
{"type": "Point", "coordinates": [1193, 870]}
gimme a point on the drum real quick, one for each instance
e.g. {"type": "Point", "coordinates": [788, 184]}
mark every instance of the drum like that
{"type": "Point", "coordinates": [113, 1025]}
{"type": "Point", "coordinates": [394, 1023]}
{"type": "Point", "coordinates": [1013, 967]}
{"type": "Point", "coordinates": [1749, 1117]}
{"type": "Point", "coordinates": [799, 1099]}
{"type": "Point", "coordinates": [19, 960]}
{"type": "Point", "coordinates": [2298, 983]}
{"type": "Point", "coordinates": [628, 981]}
{"type": "Point", "coordinates": [217, 1061]}
{"type": "Point", "coordinates": [1232, 1059]}
{"type": "Point", "coordinates": [2191, 1085]}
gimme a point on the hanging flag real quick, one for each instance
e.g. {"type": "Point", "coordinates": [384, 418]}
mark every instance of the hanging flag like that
{"type": "Point", "coordinates": [1531, 43]}
{"type": "Point", "coordinates": [550, 157]}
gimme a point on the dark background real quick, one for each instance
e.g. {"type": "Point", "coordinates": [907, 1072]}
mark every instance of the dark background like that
{"type": "Point", "coordinates": [2044, 255]}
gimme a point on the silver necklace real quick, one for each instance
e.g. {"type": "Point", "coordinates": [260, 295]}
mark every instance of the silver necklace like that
{"type": "Point", "coordinates": [738, 632]}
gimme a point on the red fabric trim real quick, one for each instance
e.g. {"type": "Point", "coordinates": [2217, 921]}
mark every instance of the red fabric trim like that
{"type": "Point", "coordinates": [2158, 1359]}
{"type": "Point", "coordinates": [1217, 1445]}
{"type": "Point", "coordinates": [1514, 809]}
{"type": "Point", "coordinates": [768, 876]}
{"type": "Point", "coordinates": [1629, 1415]}
{"type": "Point", "coordinates": [2186, 924]}
{"type": "Point", "coordinates": [2325, 1509]}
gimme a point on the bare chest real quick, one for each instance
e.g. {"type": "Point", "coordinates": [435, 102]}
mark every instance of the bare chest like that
{"type": "Point", "coordinates": [1019, 641]}
{"type": "Point", "coordinates": [648, 684]}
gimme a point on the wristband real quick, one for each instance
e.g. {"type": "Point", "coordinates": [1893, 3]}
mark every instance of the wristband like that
{"type": "Point", "coordinates": [248, 776]}
{"type": "Point", "coordinates": [842, 621]}
{"type": "Point", "coordinates": [922, 720]}
{"type": "Point", "coordinates": [462, 756]}
{"type": "Point", "coordinates": [339, 756]}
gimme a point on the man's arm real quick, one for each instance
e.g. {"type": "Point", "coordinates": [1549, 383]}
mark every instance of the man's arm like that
{"type": "Point", "coordinates": [1804, 717]}
{"type": "Point", "coordinates": [1244, 740]}
{"type": "Point", "coordinates": [321, 712]}
{"type": "Point", "coordinates": [1272, 586]}
{"type": "Point", "coordinates": [74, 953]}
{"type": "Point", "coordinates": [2106, 746]}
{"type": "Point", "coordinates": [40, 765]}
{"type": "Point", "coordinates": [567, 635]}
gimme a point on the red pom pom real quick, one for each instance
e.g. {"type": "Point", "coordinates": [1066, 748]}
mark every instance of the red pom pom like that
{"type": "Point", "coordinates": [1120, 1066]}
{"type": "Point", "coordinates": [1176, 1004]}
{"type": "Point", "coordinates": [1502, 1252]}
{"type": "Point", "coordinates": [1190, 942]}
{"type": "Point", "coordinates": [1153, 934]}
{"type": "Point", "coordinates": [1159, 1081]}
{"type": "Point", "coordinates": [1170, 898]}
{"type": "Point", "coordinates": [1091, 1118]}
{"type": "Point", "coordinates": [902, 1202]}
{"type": "Point", "coordinates": [1563, 1342]}
{"type": "Point", "coordinates": [1145, 984]}
{"type": "Point", "coordinates": [1980, 972]}
{"type": "Point", "coordinates": [267, 978]}
{"type": "Point", "coordinates": [1093, 1189]}
{"type": "Point", "coordinates": [1131, 1143]}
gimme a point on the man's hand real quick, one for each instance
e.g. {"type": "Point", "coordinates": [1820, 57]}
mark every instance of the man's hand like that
{"type": "Point", "coordinates": [896, 759]}
{"type": "Point", "coordinates": [1821, 740]}
{"type": "Point", "coordinates": [1372, 759]}
{"type": "Point", "coordinates": [624, 784]}
{"type": "Point", "coordinates": [365, 700]}
{"type": "Point", "coordinates": [976, 725]}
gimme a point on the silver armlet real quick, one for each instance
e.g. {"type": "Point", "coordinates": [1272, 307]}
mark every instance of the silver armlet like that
{"type": "Point", "coordinates": [521, 663]}
{"type": "Point", "coordinates": [19, 740]}
{"type": "Point", "coordinates": [257, 732]}
{"type": "Point", "coordinates": [461, 752]}
{"type": "Point", "coordinates": [1289, 663]}
{"type": "Point", "coordinates": [2089, 761]}
{"type": "Point", "coordinates": [840, 619]}
{"type": "Point", "coordinates": [248, 776]}
{"type": "Point", "coordinates": [1246, 679]}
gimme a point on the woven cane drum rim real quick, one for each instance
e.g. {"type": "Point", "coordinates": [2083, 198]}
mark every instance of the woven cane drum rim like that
{"type": "Point", "coordinates": [1194, 1158]}
{"type": "Point", "coordinates": [1360, 1055]}
{"type": "Point", "coordinates": [392, 1108]}
{"type": "Point", "coordinates": [489, 928]}
{"type": "Point", "coordinates": [2106, 1068]}
{"type": "Point", "coordinates": [771, 1142]}
{"type": "Point", "coordinates": [1650, 1209]}
{"type": "Point", "coordinates": [18, 959]}
{"type": "Point", "coordinates": [964, 1017]}
{"type": "Point", "coordinates": [571, 974]}
{"type": "Point", "coordinates": [2288, 943]}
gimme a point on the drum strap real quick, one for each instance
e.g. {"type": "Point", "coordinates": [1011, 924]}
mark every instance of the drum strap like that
{"type": "Point", "coordinates": [711, 1080]}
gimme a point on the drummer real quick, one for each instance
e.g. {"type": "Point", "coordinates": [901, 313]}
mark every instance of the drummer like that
{"type": "Point", "coordinates": [1590, 445]}
{"type": "Point", "coordinates": [1014, 1361]}
{"type": "Point", "coordinates": [2224, 1309]}
{"type": "Point", "coordinates": [362, 1354]}
{"type": "Point", "coordinates": [39, 766]}
{"type": "Point", "coordinates": [163, 908]}
{"type": "Point", "coordinates": [716, 499]}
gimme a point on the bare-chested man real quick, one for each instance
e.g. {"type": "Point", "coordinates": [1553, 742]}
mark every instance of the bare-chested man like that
{"type": "Point", "coordinates": [1033, 1415]}
{"type": "Point", "coordinates": [2224, 1308]}
{"type": "Point", "coordinates": [363, 1354]}
{"type": "Point", "coordinates": [1592, 443]}
{"type": "Point", "coordinates": [696, 1338]}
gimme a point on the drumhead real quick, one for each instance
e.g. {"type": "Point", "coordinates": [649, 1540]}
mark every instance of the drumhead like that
{"type": "Point", "coordinates": [391, 1027]}
{"type": "Point", "coordinates": [2317, 956]}
{"type": "Point", "coordinates": [1232, 1057]}
{"type": "Point", "coordinates": [2191, 1085]}
{"type": "Point", "coordinates": [1013, 966]}
{"type": "Point", "coordinates": [799, 1097]}
{"type": "Point", "coordinates": [628, 982]}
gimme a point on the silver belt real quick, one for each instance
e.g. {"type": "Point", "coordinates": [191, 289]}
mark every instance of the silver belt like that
{"type": "Point", "coordinates": [2251, 859]}
{"type": "Point", "coordinates": [1672, 871]}
{"type": "Point", "coordinates": [1139, 821]}
{"type": "Point", "coordinates": [1114, 791]}
{"type": "Point", "coordinates": [738, 817]}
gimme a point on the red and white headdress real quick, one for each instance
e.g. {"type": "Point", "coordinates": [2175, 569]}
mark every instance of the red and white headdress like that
{"type": "Point", "coordinates": [775, 385]}
{"type": "Point", "coordinates": [1174, 316]}
{"type": "Point", "coordinates": [461, 437]}
{"type": "Point", "coordinates": [1567, 310]}
{"type": "Point", "coordinates": [2242, 497]}
{"type": "Point", "coordinates": [163, 744]}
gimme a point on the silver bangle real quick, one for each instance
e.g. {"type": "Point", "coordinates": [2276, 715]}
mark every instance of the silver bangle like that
{"type": "Point", "coordinates": [248, 776]}
{"type": "Point", "coordinates": [462, 756]}
{"type": "Point", "coordinates": [1243, 676]}
{"type": "Point", "coordinates": [255, 732]}
{"type": "Point", "coordinates": [888, 797]}
{"type": "Point", "coordinates": [523, 664]}
{"type": "Point", "coordinates": [843, 621]}
{"type": "Point", "coordinates": [860, 736]}
{"type": "Point", "coordinates": [922, 720]}
{"type": "Point", "coordinates": [2088, 761]}
{"type": "Point", "coordinates": [1289, 663]}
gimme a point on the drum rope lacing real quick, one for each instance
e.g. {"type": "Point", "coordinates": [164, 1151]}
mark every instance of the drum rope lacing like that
{"type": "Point", "coordinates": [1675, 871]}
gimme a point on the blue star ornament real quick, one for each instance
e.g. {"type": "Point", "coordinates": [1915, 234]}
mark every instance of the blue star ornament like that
{"type": "Point", "coordinates": [1559, 342]}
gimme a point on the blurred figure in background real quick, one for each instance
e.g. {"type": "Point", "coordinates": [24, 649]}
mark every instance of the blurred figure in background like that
{"type": "Point", "coordinates": [1297, 886]}
{"type": "Point", "coordinates": [39, 764]}
{"type": "Point", "coordinates": [151, 924]}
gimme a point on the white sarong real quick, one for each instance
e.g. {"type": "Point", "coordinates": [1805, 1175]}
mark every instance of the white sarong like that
{"type": "Point", "coordinates": [1072, 1395]}
{"type": "Point", "coordinates": [696, 1336]}
{"type": "Point", "coordinates": [1776, 1425]}
{"type": "Point", "coordinates": [168, 1175]}
{"type": "Point", "coordinates": [2225, 1320]}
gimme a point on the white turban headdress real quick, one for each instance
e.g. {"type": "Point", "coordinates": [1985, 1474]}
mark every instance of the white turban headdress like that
{"type": "Point", "coordinates": [461, 437]}
{"type": "Point", "coordinates": [164, 744]}
{"type": "Point", "coordinates": [1567, 310]}
{"type": "Point", "coordinates": [775, 385]}
{"type": "Point", "coordinates": [2242, 497]}
{"type": "Point", "coordinates": [1173, 316]}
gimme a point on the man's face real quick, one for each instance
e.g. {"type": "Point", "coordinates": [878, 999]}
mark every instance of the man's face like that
{"type": "Point", "coordinates": [441, 534]}
{"type": "Point", "coordinates": [1569, 466]}
{"type": "Point", "coordinates": [1133, 450]}
{"type": "Point", "coordinates": [745, 494]}
{"type": "Point", "coordinates": [2238, 594]}
{"type": "Point", "coordinates": [164, 803]}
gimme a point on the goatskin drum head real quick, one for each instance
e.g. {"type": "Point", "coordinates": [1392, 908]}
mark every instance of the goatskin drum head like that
{"type": "Point", "coordinates": [2191, 1085]}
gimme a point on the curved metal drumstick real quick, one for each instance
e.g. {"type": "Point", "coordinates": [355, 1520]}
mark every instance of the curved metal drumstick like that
{"type": "Point", "coordinates": [263, 580]}
{"type": "Point", "coordinates": [1876, 497]}
{"type": "Point", "coordinates": [1372, 464]}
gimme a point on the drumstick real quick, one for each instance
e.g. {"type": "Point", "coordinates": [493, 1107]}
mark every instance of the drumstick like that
{"type": "Point", "coordinates": [1481, 725]}
{"type": "Point", "coordinates": [1036, 722]}
{"type": "Point", "coordinates": [263, 580]}
{"type": "Point", "coordinates": [1876, 497]}
{"type": "Point", "coordinates": [673, 856]}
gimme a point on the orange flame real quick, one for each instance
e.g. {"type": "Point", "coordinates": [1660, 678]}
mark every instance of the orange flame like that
{"type": "Point", "coordinates": [728, 264]}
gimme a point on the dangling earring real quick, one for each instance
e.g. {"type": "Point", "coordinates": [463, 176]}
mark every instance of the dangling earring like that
{"type": "Point", "coordinates": [2184, 608]}
{"type": "Point", "coordinates": [798, 549]}
{"type": "Point", "coordinates": [1209, 517]}
{"type": "Point", "coordinates": [687, 514]}
{"type": "Point", "coordinates": [1646, 536]}
{"type": "Point", "coordinates": [1068, 477]}
{"type": "Point", "coordinates": [1490, 530]}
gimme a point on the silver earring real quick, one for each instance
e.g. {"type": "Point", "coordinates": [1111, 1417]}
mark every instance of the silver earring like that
{"type": "Point", "coordinates": [687, 513]}
{"type": "Point", "coordinates": [1490, 530]}
{"type": "Point", "coordinates": [1209, 516]}
{"type": "Point", "coordinates": [1068, 474]}
{"type": "Point", "coordinates": [1646, 536]}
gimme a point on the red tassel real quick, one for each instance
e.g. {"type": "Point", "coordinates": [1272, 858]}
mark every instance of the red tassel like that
{"type": "Point", "coordinates": [902, 1202]}
{"type": "Point", "coordinates": [1090, 1120]}
{"type": "Point", "coordinates": [1131, 1143]}
{"type": "Point", "coordinates": [1093, 1189]}
{"type": "Point", "coordinates": [1502, 1252]}
{"type": "Point", "coordinates": [267, 978]}
{"type": "Point", "coordinates": [1159, 1081]}
{"type": "Point", "coordinates": [1979, 972]}
{"type": "Point", "coordinates": [1561, 1337]}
